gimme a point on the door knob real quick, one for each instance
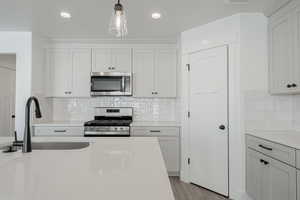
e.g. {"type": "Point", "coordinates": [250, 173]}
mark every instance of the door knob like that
{"type": "Point", "coordinates": [222, 127]}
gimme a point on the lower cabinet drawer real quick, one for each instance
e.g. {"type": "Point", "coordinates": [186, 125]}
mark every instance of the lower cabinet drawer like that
{"type": "Point", "coordinates": [155, 131]}
{"type": "Point", "coordinates": [274, 150]}
{"type": "Point", "coordinates": [58, 131]}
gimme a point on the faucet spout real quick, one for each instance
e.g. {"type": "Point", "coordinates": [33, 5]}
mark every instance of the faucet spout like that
{"type": "Point", "coordinates": [27, 135]}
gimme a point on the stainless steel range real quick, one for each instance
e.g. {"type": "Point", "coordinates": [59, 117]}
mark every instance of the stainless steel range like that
{"type": "Point", "coordinates": [109, 122]}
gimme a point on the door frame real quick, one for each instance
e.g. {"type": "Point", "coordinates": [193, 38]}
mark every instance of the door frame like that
{"type": "Point", "coordinates": [189, 108]}
{"type": "Point", "coordinates": [235, 121]}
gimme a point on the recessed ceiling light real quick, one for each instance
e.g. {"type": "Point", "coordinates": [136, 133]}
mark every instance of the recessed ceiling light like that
{"type": "Point", "coordinates": [156, 15]}
{"type": "Point", "coordinates": [65, 15]}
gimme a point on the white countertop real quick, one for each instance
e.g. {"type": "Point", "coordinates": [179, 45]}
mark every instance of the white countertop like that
{"type": "Point", "coordinates": [288, 138]}
{"type": "Point", "coordinates": [158, 123]}
{"type": "Point", "coordinates": [109, 169]}
{"type": "Point", "coordinates": [60, 123]}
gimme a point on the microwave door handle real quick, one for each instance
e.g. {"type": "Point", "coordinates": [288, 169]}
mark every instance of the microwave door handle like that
{"type": "Point", "coordinates": [123, 84]}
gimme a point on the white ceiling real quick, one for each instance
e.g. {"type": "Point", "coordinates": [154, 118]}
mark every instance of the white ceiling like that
{"type": "Point", "coordinates": [90, 17]}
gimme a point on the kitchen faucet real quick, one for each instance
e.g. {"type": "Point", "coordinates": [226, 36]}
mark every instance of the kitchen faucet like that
{"type": "Point", "coordinates": [27, 136]}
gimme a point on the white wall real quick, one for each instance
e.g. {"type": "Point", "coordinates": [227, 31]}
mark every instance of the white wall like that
{"type": "Point", "coordinates": [245, 35]}
{"type": "Point", "coordinates": [19, 43]}
{"type": "Point", "coordinates": [39, 76]}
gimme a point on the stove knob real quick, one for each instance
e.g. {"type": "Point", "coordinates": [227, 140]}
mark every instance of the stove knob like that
{"type": "Point", "coordinates": [116, 129]}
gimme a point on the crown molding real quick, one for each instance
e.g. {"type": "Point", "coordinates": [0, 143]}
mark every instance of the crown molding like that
{"type": "Point", "coordinates": [113, 41]}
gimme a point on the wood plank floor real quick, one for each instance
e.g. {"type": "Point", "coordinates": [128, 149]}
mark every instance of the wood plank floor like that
{"type": "Point", "coordinates": [185, 191]}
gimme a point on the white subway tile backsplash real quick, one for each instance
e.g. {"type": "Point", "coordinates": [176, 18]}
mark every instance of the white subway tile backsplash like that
{"type": "Point", "coordinates": [268, 112]}
{"type": "Point", "coordinates": [145, 109]}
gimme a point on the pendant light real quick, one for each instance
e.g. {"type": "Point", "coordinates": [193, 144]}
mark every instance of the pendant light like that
{"type": "Point", "coordinates": [118, 22]}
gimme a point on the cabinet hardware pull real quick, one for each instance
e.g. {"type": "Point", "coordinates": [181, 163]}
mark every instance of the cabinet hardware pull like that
{"type": "Point", "coordinates": [222, 127]}
{"type": "Point", "coordinates": [288, 85]}
{"type": "Point", "coordinates": [267, 148]}
{"type": "Point", "coordinates": [294, 85]}
{"type": "Point", "coordinates": [60, 131]}
{"type": "Point", "coordinates": [264, 162]}
{"type": "Point", "coordinates": [154, 131]}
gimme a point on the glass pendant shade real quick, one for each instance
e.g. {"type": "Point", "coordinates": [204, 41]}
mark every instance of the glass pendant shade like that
{"type": "Point", "coordinates": [118, 22]}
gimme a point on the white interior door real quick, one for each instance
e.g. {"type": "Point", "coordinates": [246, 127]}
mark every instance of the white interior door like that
{"type": "Point", "coordinates": [209, 119]}
{"type": "Point", "coordinates": [7, 101]}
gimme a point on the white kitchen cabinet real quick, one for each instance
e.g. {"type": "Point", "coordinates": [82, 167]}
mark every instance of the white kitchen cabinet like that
{"type": "Point", "coordinates": [60, 72]}
{"type": "Point", "coordinates": [165, 73]}
{"type": "Point", "coordinates": [254, 174]}
{"type": "Point", "coordinates": [298, 184]}
{"type": "Point", "coordinates": [58, 131]}
{"type": "Point", "coordinates": [81, 60]}
{"type": "Point", "coordinates": [284, 69]}
{"type": "Point", "coordinates": [69, 72]}
{"type": "Point", "coordinates": [170, 150]}
{"type": "Point", "coordinates": [143, 72]}
{"type": "Point", "coordinates": [268, 178]}
{"type": "Point", "coordinates": [155, 72]}
{"type": "Point", "coordinates": [112, 60]}
{"type": "Point", "coordinates": [279, 180]}
{"type": "Point", "coordinates": [168, 138]}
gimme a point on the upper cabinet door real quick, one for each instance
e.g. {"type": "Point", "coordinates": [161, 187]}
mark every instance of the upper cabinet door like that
{"type": "Point", "coordinates": [281, 54]}
{"type": "Point", "coordinates": [143, 72]}
{"type": "Point", "coordinates": [121, 60]}
{"type": "Point", "coordinates": [60, 67]}
{"type": "Point", "coordinates": [101, 60]}
{"type": "Point", "coordinates": [165, 73]}
{"type": "Point", "coordinates": [81, 59]}
{"type": "Point", "coordinates": [296, 17]}
{"type": "Point", "coordinates": [112, 60]}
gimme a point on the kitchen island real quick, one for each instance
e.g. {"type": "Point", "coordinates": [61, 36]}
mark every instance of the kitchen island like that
{"type": "Point", "coordinates": [109, 169]}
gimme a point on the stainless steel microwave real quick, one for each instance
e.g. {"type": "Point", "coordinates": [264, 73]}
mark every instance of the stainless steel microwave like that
{"type": "Point", "coordinates": [111, 84]}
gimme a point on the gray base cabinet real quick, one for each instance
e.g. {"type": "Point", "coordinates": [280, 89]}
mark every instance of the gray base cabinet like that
{"type": "Point", "coordinates": [168, 138]}
{"type": "Point", "coordinates": [268, 178]}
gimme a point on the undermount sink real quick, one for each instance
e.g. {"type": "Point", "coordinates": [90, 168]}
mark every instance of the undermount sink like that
{"type": "Point", "coordinates": [59, 145]}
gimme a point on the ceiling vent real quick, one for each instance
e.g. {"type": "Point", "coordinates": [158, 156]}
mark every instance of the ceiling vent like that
{"type": "Point", "coordinates": [236, 1]}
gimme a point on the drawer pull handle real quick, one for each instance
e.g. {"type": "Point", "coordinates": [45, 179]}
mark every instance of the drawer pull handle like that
{"type": "Point", "coordinates": [155, 131]}
{"type": "Point", "coordinates": [267, 148]}
{"type": "Point", "coordinates": [60, 131]}
{"type": "Point", "coordinates": [264, 162]}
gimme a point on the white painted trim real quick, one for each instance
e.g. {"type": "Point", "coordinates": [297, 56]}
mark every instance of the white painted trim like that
{"type": "Point", "coordinates": [19, 43]}
{"type": "Point", "coordinates": [85, 45]}
{"type": "Point", "coordinates": [114, 41]}
{"type": "Point", "coordinates": [277, 6]}
{"type": "Point", "coordinates": [234, 99]}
